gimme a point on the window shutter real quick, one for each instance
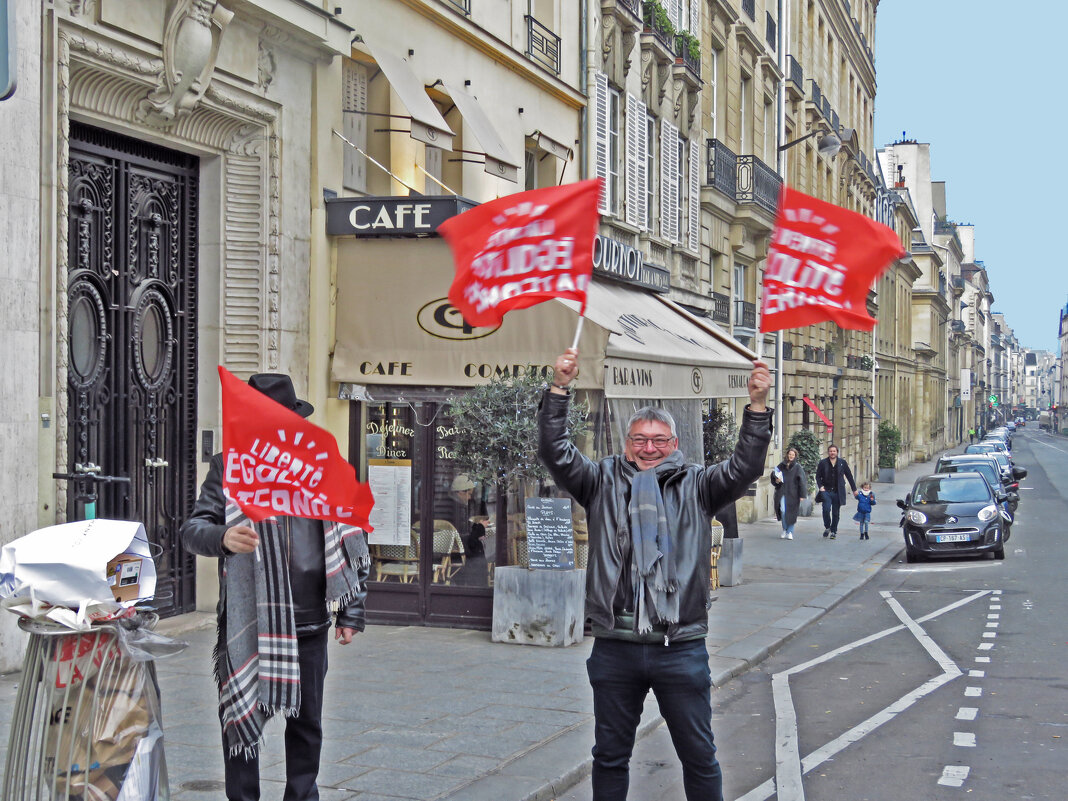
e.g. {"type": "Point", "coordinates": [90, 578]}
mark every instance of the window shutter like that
{"type": "Point", "coordinates": [695, 18]}
{"type": "Point", "coordinates": [694, 211]}
{"type": "Point", "coordinates": [669, 181]}
{"type": "Point", "coordinates": [635, 167]}
{"type": "Point", "coordinates": [643, 167]}
{"type": "Point", "coordinates": [600, 135]}
{"type": "Point", "coordinates": [354, 126]}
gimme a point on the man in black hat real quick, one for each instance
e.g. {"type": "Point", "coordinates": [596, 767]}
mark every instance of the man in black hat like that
{"type": "Point", "coordinates": [275, 594]}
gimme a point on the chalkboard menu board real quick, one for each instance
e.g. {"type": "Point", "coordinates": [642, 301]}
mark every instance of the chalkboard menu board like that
{"type": "Point", "coordinates": [550, 541]}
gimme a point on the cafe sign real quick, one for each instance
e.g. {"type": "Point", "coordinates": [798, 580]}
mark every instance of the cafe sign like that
{"type": "Point", "coordinates": [391, 216]}
{"type": "Point", "coordinates": [620, 262]}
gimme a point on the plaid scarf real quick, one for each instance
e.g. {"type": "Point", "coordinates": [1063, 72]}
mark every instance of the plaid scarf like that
{"type": "Point", "coordinates": [257, 666]}
{"type": "Point", "coordinates": [656, 586]}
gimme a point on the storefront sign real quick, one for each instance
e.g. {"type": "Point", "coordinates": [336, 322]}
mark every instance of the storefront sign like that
{"type": "Point", "coordinates": [391, 216]}
{"type": "Point", "coordinates": [627, 378]}
{"type": "Point", "coordinates": [621, 262]}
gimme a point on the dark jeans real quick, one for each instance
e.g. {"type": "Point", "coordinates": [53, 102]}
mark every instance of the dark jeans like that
{"type": "Point", "coordinates": [303, 737]}
{"type": "Point", "coordinates": [621, 674]}
{"type": "Point", "coordinates": [832, 507]}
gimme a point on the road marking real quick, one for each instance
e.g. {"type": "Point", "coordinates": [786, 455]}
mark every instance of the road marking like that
{"type": "Point", "coordinates": [789, 766]}
{"type": "Point", "coordinates": [982, 659]}
{"type": "Point", "coordinates": [985, 646]}
{"type": "Point", "coordinates": [993, 617]}
{"type": "Point", "coordinates": [964, 739]}
{"type": "Point", "coordinates": [967, 713]}
{"type": "Point", "coordinates": [973, 692]}
{"type": "Point", "coordinates": [976, 674]}
{"type": "Point", "coordinates": [990, 634]}
{"type": "Point", "coordinates": [992, 625]}
{"type": "Point", "coordinates": [954, 775]}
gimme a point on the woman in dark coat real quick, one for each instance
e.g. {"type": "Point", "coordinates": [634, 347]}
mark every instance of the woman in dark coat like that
{"type": "Point", "coordinates": [791, 485]}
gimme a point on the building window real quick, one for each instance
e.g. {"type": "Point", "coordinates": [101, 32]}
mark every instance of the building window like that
{"type": "Point", "coordinates": [745, 108]}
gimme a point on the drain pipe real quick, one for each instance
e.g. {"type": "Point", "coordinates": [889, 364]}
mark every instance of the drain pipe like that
{"type": "Point", "coordinates": [780, 159]}
{"type": "Point", "coordinates": [585, 59]}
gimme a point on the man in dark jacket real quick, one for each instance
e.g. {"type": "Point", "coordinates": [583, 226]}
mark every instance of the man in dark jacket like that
{"type": "Point", "coordinates": [647, 578]}
{"type": "Point", "coordinates": [274, 591]}
{"type": "Point", "coordinates": [831, 476]}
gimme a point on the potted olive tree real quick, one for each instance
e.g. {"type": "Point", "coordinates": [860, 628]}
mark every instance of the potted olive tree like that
{"type": "Point", "coordinates": [720, 436]}
{"type": "Point", "coordinates": [889, 437]}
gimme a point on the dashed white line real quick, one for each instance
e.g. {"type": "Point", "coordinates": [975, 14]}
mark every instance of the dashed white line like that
{"type": "Point", "coordinates": [985, 646]}
{"type": "Point", "coordinates": [993, 617]}
{"type": "Point", "coordinates": [964, 739]}
{"type": "Point", "coordinates": [967, 713]}
{"type": "Point", "coordinates": [976, 674]}
{"type": "Point", "coordinates": [990, 634]}
{"type": "Point", "coordinates": [993, 624]}
{"type": "Point", "coordinates": [973, 692]}
{"type": "Point", "coordinates": [954, 775]}
{"type": "Point", "coordinates": [982, 659]}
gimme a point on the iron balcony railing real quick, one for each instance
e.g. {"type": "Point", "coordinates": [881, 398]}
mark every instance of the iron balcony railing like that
{"type": "Point", "coordinates": [745, 314]}
{"type": "Point", "coordinates": [662, 30]}
{"type": "Point", "coordinates": [682, 50]}
{"type": "Point", "coordinates": [463, 6]}
{"type": "Point", "coordinates": [769, 32]}
{"type": "Point", "coordinates": [749, 7]}
{"type": "Point", "coordinates": [826, 107]}
{"type": "Point", "coordinates": [721, 308]}
{"type": "Point", "coordinates": [543, 45]}
{"type": "Point", "coordinates": [633, 6]}
{"type": "Point", "coordinates": [722, 168]}
{"type": "Point", "coordinates": [794, 73]}
{"type": "Point", "coordinates": [958, 282]}
{"type": "Point", "coordinates": [834, 120]}
{"type": "Point", "coordinates": [815, 93]}
{"type": "Point", "coordinates": [758, 183]}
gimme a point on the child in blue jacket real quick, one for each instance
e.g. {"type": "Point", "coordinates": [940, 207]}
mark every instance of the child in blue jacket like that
{"type": "Point", "coordinates": [865, 501]}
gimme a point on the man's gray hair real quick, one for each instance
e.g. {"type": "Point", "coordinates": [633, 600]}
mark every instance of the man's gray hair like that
{"type": "Point", "coordinates": [653, 414]}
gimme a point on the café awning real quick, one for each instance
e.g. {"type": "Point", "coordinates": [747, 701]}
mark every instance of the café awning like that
{"type": "Point", "coordinates": [427, 123]}
{"type": "Point", "coordinates": [396, 327]}
{"type": "Point", "coordinates": [815, 408]}
{"type": "Point", "coordinates": [499, 160]}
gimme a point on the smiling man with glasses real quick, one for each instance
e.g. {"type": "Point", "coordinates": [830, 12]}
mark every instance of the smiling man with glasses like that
{"type": "Point", "coordinates": [647, 576]}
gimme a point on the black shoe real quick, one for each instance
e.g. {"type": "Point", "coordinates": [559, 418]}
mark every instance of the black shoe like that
{"type": "Point", "coordinates": [826, 532]}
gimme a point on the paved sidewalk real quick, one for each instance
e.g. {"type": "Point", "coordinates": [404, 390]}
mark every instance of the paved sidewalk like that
{"type": "Point", "coordinates": [445, 714]}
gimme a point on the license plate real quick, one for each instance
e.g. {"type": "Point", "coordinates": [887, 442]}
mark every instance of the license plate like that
{"type": "Point", "coordinates": [952, 538]}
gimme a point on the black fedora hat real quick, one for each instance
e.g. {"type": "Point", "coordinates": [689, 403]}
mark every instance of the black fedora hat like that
{"type": "Point", "coordinates": [279, 388]}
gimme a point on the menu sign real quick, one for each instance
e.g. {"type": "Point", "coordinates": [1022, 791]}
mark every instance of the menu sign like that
{"type": "Point", "coordinates": [550, 537]}
{"type": "Point", "coordinates": [391, 484]}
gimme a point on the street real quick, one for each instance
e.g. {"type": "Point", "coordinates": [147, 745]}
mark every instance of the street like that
{"type": "Point", "coordinates": [932, 680]}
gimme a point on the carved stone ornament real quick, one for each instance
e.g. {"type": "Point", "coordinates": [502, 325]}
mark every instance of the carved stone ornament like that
{"type": "Point", "coordinates": [191, 40]}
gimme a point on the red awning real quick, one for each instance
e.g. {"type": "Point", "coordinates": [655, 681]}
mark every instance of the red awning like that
{"type": "Point", "coordinates": [819, 414]}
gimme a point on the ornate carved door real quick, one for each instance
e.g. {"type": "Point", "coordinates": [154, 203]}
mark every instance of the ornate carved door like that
{"type": "Point", "coordinates": [132, 278]}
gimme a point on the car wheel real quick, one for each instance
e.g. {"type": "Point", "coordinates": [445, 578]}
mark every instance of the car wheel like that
{"type": "Point", "coordinates": [999, 553]}
{"type": "Point", "coordinates": [911, 557]}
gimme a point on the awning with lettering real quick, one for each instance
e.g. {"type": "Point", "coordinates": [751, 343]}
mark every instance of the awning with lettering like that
{"type": "Point", "coordinates": [815, 408]}
{"type": "Point", "coordinates": [499, 161]}
{"type": "Point", "coordinates": [427, 123]}
{"type": "Point", "coordinates": [394, 326]}
{"type": "Point", "coordinates": [871, 408]}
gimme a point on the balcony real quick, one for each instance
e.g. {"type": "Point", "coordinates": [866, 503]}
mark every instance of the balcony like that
{"type": "Point", "coordinates": [834, 120]}
{"type": "Point", "coordinates": [721, 308]}
{"type": "Point", "coordinates": [957, 326]}
{"type": "Point", "coordinates": [795, 77]}
{"type": "Point", "coordinates": [744, 314]}
{"type": "Point", "coordinates": [815, 95]}
{"type": "Point", "coordinates": [749, 7]}
{"type": "Point", "coordinates": [633, 6]}
{"type": "Point", "coordinates": [659, 26]}
{"type": "Point", "coordinates": [770, 33]}
{"type": "Point", "coordinates": [692, 61]}
{"type": "Point", "coordinates": [721, 168]}
{"type": "Point", "coordinates": [543, 46]}
{"type": "Point", "coordinates": [758, 183]}
{"type": "Point", "coordinates": [463, 6]}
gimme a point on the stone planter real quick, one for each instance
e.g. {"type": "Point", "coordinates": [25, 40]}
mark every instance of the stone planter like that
{"type": "Point", "coordinates": [887, 475]}
{"type": "Point", "coordinates": [538, 607]}
{"type": "Point", "coordinates": [730, 562]}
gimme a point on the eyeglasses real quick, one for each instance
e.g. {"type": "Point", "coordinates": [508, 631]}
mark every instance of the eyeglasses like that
{"type": "Point", "coordinates": [658, 442]}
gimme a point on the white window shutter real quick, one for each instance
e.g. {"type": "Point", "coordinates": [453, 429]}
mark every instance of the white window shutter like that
{"type": "Point", "coordinates": [635, 166]}
{"type": "Point", "coordinates": [669, 181]}
{"type": "Point", "coordinates": [673, 7]}
{"type": "Point", "coordinates": [600, 135]}
{"type": "Point", "coordinates": [354, 98]}
{"type": "Point", "coordinates": [642, 168]}
{"type": "Point", "coordinates": [694, 211]}
{"type": "Point", "coordinates": [695, 18]}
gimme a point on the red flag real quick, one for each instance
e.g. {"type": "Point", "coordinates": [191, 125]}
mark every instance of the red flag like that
{"type": "Point", "coordinates": [822, 261]}
{"type": "Point", "coordinates": [522, 249]}
{"type": "Point", "coordinates": [277, 463]}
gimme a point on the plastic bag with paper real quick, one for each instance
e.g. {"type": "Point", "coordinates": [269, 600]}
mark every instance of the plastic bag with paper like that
{"type": "Point", "coordinates": [62, 572]}
{"type": "Point", "coordinates": [104, 740]}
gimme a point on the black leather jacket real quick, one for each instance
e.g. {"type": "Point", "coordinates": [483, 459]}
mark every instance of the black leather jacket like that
{"type": "Point", "coordinates": [203, 532]}
{"type": "Point", "coordinates": [692, 494]}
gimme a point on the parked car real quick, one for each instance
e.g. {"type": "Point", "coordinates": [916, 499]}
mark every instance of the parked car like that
{"type": "Point", "coordinates": [1045, 422]}
{"type": "Point", "coordinates": [987, 465]}
{"type": "Point", "coordinates": [953, 515]}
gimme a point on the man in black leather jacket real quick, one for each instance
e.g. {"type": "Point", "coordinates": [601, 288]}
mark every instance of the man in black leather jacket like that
{"type": "Point", "coordinates": [205, 533]}
{"type": "Point", "coordinates": [647, 579]}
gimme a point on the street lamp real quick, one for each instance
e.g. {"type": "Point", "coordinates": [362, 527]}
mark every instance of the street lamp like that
{"type": "Point", "coordinates": [828, 144]}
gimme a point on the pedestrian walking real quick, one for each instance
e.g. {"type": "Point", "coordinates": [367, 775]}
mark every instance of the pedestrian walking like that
{"type": "Point", "coordinates": [971, 435]}
{"type": "Point", "coordinates": [274, 621]}
{"type": "Point", "coordinates": [647, 575]}
{"type": "Point", "coordinates": [791, 485]}
{"type": "Point", "coordinates": [831, 476]}
{"type": "Point", "coordinates": [865, 501]}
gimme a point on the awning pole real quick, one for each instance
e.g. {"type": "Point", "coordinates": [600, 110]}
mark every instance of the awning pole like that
{"type": "Point", "coordinates": [578, 332]}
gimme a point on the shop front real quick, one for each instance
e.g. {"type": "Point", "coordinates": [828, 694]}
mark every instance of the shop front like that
{"type": "Point", "coordinates": [402, 352]}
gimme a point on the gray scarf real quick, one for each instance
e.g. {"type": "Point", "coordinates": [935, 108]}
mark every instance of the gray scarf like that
{"type": "Point", "coordinates": [656, 586]}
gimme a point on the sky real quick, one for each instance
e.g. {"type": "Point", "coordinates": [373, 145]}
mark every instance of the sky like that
{"type": "Point", "coordinates": [982, 82]}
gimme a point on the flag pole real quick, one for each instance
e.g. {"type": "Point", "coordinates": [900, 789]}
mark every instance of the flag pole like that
{"type": "Point", "coordinates": [578, 332]}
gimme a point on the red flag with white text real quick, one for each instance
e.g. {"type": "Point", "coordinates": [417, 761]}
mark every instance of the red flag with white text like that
{"type": "Point", "coordinates": [523, 249]}
{"type": "Point", "coordinates": [822, 261]}
{"type": "Point", "coordinates": [277, 463]}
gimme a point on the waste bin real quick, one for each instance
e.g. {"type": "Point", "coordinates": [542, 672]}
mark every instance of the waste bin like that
{"type": "Point", "coordinates": [87, 723]}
